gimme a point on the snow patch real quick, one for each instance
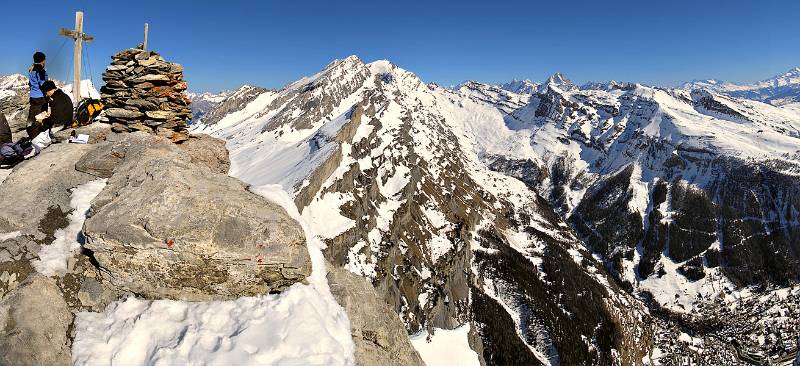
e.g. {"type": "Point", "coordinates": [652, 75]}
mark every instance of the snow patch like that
{"type": "Point", "coordinates": [11, 235]}
{"type": "Point", "coordinates": [53, 259]}
{"type": "Point", "coordinates": [445, 347]}
{"type": "Point", "coordinates": [88, 90]}
{"type": "Point", "coordinates": [288, 328]}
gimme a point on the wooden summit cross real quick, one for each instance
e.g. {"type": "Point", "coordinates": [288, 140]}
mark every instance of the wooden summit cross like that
{"type": "Point", "coordinates": [79, 37]}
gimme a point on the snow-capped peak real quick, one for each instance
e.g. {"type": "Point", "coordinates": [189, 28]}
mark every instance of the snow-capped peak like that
{"type": "Point", "coordinates": [381, 67]}
{"type": "Point", "coordinates": [14, 81]}
{"type": "Point", "coordinates": [520, 86]}
{"type": "Point", "coordinates": [558, 81]}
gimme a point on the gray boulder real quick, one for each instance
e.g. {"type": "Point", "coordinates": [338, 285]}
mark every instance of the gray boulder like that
{"type": "Point", "coordinates": [36, 195]}
{"type": "Point", "coordinates": [379, 335]}
{"type": "Point", "coordinates": [208, 151]}
{"type": "Point", "coordinates": [34, 325]}
{"type": "Point", "coordinates": [165, 227]}
{"type": "Point", "coordinates": [104, 159]}
{"type": "Point", "coordinates": [202, 150]}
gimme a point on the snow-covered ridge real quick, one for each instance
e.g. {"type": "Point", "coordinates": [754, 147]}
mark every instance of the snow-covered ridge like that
{"type": "Point", "coordinates": [14, 81]}
{"type": "Point", "coordinates": [520, 86]}
{"type": "Point", "coordinates": [778, 90]}
{"type": "Point", "coordinates": [17, 83]}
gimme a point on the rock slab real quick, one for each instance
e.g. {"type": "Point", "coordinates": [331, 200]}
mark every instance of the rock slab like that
{"type": "Point", "coordinates": [165, 227]}
{"type": "Point", "coordinates": [379, 335]}
{"type": "Point", "coordinates": [34, 325]}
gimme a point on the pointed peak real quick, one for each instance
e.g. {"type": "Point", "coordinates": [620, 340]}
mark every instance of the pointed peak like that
{"type": "Point", "coordinates": [346, 62]}
{"type": "Point", "coordinates": [352, 58]}
{"type": "Point", "coordinates": [558, 81]}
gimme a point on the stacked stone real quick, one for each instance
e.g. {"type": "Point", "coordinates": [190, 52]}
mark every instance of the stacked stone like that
{"type": "Point", "coordinates": [144, 92]}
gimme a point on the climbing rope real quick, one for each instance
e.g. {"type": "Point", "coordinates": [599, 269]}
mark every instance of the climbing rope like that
{"type": "Point", "coordinates": [66, 70]}
{"type": "Point", "coordinates": [87, 58]}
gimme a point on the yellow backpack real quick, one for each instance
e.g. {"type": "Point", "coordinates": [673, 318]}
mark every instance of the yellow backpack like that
{"type": "Point", "coordinates": [86, 111]}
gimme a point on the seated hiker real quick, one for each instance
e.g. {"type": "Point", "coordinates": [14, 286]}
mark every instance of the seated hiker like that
{"type": "Point", "coordinates": [60, 110]}
{"type": "Point", "coordinates": [36, 77]}
{"type": "Point", "coordinates": [5, 130]}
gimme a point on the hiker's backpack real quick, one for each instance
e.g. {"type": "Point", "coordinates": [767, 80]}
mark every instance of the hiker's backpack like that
{"type": "Point", "coordinates": [11, 154]}
{"type": "Point", "coordinates": [86, 111]}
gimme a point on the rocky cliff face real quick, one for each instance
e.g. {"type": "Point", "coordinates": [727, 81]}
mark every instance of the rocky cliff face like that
{"type": "Point", "coordinates": [14, 100]}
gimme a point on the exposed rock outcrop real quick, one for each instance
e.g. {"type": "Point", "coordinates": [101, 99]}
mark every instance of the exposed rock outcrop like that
{"type": "Point", "coordinates": [14, 101]}
{"type": "Point", "coordinates": [207, 151]}
{"type": "Point", "coordinates": [37, 193]}
{"type": "Point", "coordinates": [167, 228]}
{"type": "Point", "coordinates": [34, 325]}
{"type": "Point", "coordinates": [378, 333]}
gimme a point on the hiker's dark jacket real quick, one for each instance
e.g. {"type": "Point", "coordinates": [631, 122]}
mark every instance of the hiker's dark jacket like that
{"type": "Point", "coordinates": [60, 110]}
{"type": "Point", "coordinates": [5, 131]}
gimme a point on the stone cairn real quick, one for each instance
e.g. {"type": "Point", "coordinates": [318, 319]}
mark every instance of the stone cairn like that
{"type": "Point", "coordinates": [144, 92]}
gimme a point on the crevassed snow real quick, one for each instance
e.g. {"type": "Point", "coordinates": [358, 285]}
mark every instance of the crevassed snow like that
{"type": "Point", "coordinates": [53, 258]}
{"type": "Point", "coordinates": [300, 326]}
{"type": "Point", "coordinates": [445, 347]}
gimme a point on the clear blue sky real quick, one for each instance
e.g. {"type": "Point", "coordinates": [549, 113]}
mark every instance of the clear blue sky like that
{"type": "Point", "coordinates": [224, 44]}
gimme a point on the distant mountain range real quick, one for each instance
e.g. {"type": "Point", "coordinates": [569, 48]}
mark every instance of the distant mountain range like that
{"type": "Point", "coordinates": [779, 90]}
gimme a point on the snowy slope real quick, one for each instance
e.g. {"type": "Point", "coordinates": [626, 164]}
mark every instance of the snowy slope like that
{"type": "Point", "coordinates": [446, 347]}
